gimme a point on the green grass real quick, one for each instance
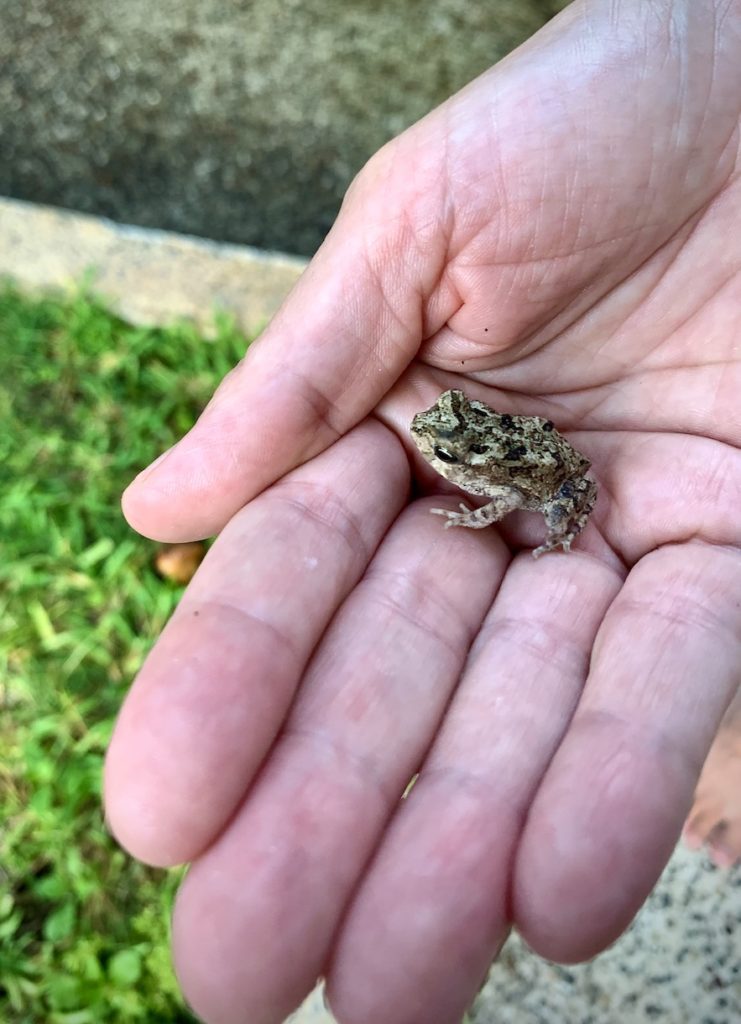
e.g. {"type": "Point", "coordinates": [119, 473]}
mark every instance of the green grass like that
{"type": "Point", "coordinates": [85, 402]}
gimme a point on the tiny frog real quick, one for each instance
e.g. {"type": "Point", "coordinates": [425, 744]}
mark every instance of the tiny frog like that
{"type": "Point", "coordinates": [515, 461]}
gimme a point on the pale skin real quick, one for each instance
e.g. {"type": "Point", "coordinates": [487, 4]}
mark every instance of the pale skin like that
{"type": "Point", "coordinates": [561, 239]}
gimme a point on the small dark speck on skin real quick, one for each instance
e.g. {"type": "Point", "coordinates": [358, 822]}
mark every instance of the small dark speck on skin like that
{"type": "Point", "coordinates": [486, 330]}
{"type": "Point", "coordinates": [515, 453]}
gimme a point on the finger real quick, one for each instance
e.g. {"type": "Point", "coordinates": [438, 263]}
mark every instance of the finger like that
{"type": "Point", "coordinates": [501, 212]}
{"type": "Point", "coordinates": [349, 328]}
{"type": "Point", "coordinates": [610, 808]}
{"type": "Point", "coordinates": [665, 488]}
{"type": "Point", "coordinates": [214, 691]}
{"type": "Point", "coordinates": [256, 916]}
{"type": "Point", "coordinates": [715, 819]}
{"type": "Point", "coordinates": [432, 910]}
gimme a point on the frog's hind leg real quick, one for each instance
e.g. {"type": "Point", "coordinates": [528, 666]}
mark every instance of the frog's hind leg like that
{"type": "Point", "coordinates": [567, 513]}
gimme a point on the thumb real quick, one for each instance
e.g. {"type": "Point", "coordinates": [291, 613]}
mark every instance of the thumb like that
{"type": "Point", "coordinates": [350, 326]}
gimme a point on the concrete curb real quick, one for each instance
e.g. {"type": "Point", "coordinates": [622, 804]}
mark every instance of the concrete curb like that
{"type": "Point", "coordinates": [144, 276]}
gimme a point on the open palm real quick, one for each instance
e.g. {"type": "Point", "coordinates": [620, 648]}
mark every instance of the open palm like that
{"type": "Point", "coordinates": [560, 238]}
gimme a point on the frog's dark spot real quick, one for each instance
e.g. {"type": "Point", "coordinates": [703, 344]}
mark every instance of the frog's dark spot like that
{"type": "Point", "coordinates": [478, 411]}
{"type": "Point", "coordinates": [506, 422]}
{"type": "Point", "coordinates": [566, 490]}
{"type": "Point", "coordinates": [515, 453]}
{"type": "Point", "coordinates": [478, 449]}
{"type": "Point", "coordinates": [548, 425]}
{"type": "Point", "coordinates": [445, 456]}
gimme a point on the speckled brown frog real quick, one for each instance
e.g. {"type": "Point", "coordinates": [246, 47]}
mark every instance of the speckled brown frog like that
{"type": "Point", "coordinates": [515, 461]}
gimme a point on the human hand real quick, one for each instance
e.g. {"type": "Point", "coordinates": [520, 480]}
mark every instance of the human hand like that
{"type": "Point", "coordinates": [556, 239]}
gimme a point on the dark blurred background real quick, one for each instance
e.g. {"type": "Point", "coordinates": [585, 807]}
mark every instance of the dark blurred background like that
{"type": "Point", "coordinates": [239, 120]}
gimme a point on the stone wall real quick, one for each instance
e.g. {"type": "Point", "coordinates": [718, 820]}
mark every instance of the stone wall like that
{"type": "Point", "coordinates": [239, 120]}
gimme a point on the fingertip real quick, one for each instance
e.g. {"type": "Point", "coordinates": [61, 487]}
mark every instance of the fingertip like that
{"type": "Point", "coordinates": [132, 512]}
{"type": "Point", "coordinates": [156, 504]}
{"type": "Point", "coordinates": [129, 819]}
{"type": "Point", "coordinates": [145, 473]}
{"type": "Point", "coordinates": [592, 851]}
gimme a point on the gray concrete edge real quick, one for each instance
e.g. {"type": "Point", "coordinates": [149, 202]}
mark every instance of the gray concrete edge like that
{"type": "Point", "coordinates": [147, 277]}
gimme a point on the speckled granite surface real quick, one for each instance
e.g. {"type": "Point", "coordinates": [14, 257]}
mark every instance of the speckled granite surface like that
{"type": "Point", "coordinates": [680, 963]}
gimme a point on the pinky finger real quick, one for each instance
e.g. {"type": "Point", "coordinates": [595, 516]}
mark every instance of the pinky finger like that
{"type": "Point", "coordinates": [612, 803]}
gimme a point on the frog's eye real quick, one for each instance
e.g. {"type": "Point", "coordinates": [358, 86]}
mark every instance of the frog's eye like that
{"type": "Point", "coordinates": [444, 455]}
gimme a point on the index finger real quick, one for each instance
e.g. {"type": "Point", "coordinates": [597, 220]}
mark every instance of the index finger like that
{"type": "Point", "coordinates": [212, 695]}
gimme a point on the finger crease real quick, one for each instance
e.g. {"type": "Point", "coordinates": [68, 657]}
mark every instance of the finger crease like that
{"type": "Point", "coordinates": [548, 643]}
{"type": "Point", "coordinates": [364, 767]}
{"type": "Point", "coordinates": [387, 597]}
{"type": "Point", "coordinates": [283, 639]}
{"type": "Point", "coordinates": [323, 507]}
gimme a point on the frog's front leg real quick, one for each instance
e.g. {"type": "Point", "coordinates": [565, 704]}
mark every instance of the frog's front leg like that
{"type": "Point", "coordinates": [503, 501]}
{"type": "Point", "coordinates": [567, 513]}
